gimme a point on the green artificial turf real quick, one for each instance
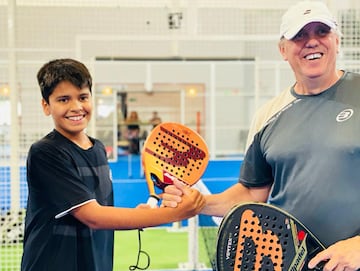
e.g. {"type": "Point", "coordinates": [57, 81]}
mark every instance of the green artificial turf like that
{"type": "Point", "coordinates": [165, 247]}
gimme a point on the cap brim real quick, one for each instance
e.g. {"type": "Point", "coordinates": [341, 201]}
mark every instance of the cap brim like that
{"type": "Point", "coordinates": [291, 33]}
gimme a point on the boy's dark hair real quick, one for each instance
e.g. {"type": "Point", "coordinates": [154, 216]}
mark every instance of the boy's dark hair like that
{"type": "Point", "coordinates": [59, 70]}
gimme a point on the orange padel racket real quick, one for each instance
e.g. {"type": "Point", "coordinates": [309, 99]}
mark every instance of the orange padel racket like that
{"type": "Point", "coordinates": [173, 150]}
{"type": "Point", "coordinates": [259, 236]}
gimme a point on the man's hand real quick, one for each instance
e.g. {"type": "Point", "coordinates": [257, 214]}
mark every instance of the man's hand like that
{"type": "Point", "coordinates": [341, 256]}
{"type": "Point", "coordinates": [191, 201]}
{"type": "Point", "coordinates": [173, 193]}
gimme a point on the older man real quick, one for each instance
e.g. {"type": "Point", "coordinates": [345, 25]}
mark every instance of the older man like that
{"type": "Point", "coordinates": [305, 159]}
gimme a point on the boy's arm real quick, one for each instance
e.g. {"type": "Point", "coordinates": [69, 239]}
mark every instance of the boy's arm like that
{"type": "Point", "coordinates": [96, 216]}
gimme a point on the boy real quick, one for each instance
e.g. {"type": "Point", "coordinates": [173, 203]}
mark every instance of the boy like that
{"type": "Point", "coordinates": [70, 215]}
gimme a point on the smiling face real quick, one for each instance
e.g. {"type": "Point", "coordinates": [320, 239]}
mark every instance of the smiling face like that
{"type": "Point", "coordinates": [312, 52]}
{"type": "Point", "coordinates": [70, 108]}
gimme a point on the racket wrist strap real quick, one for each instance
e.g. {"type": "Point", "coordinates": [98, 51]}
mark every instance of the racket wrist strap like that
{"type": "Point", "coordinates": [153, 200]}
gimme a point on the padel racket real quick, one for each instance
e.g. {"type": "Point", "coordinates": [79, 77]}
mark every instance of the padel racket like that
{"type": "Point", "coordinates": [259, 236]}
{"type": "Point", "coordinates": [173, 150]}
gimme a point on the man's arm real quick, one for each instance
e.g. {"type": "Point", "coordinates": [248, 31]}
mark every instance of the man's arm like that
{"type": "Point", "coordinates": [218, 204]}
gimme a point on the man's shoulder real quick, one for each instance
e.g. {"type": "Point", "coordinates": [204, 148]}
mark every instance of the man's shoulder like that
{"type": "Point", "coordinates": [278, 102]}
{"type": "Point", "coordinates": [351, 77]}
{"type": "Point", "coordinates": [274, 105]}
{"type": "Point", "coordinates": [267, 111]}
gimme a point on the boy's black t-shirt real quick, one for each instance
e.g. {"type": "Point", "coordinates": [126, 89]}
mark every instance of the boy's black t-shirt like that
{"type": "Point", "coordinates": [62, 176]}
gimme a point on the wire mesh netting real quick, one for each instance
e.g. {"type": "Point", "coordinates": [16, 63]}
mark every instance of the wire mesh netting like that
{"type": "Point", "coordinates": [35, 31]}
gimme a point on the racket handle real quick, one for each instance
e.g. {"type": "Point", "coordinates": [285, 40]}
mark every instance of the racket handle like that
{"type": "Point", "coordinates": [153, 201]}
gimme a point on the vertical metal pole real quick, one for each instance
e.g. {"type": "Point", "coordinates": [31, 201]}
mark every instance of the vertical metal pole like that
{"type": "Point", "coordinates": [91, 129]}
{"type": "Point", "coordinates": [14, 102]}
{"type": "Point", "coordinates": [257, 82]}
{"type": "Point", "coordinates": [212, 98]}
{"type": "Point", "coordinates": [182, 106]}
{"type": "Point", "coordinates": [129, 165]}
{"type": "Point", "coordinates": [193, 247]}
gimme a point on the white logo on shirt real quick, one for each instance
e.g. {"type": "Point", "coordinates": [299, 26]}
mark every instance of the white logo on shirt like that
{"type": "Point", "coordinates": [344, 115]}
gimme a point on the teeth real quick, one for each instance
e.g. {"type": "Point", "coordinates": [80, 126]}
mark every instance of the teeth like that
{"type": "Point", "coordinates": [313, 56]}
{"type": "Point", "coordinates": [76, 118]}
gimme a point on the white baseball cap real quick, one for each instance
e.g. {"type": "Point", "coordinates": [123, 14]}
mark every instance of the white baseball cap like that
{"type": "Point", "coordinates": [303, 13]}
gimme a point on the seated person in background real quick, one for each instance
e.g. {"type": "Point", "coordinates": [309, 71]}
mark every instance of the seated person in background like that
{"type": "Point", "coordinates": [155, 120]}
{"type": "Point", "coordinates": [133, 132]}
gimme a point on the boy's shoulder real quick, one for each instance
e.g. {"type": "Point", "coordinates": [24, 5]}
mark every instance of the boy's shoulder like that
{"type": "Point", "coordinates": [52, 142]}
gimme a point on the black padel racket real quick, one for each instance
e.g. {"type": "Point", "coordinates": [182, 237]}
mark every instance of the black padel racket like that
{"type": "Point", "coordinates": [261, 237]}
{"type": "Point", "coordinates": [173, 150]}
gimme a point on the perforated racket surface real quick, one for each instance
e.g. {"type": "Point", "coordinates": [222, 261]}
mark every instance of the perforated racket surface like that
{"type": "Point", "coordinates": [258, 236]}
{"type": "Point", "coordinates": [173, 150]}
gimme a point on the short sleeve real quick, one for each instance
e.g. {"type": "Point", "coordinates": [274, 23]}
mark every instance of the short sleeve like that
{"type": "Point", "coordinates": [54, 175]}
{"type": "Point", "coordinates": [255, 171]}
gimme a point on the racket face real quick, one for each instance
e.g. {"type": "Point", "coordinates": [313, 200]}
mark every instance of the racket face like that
{"type": "Point", "coordinates": [257, 236]}
{"type": "Point", "coordinates": [173, 151]}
